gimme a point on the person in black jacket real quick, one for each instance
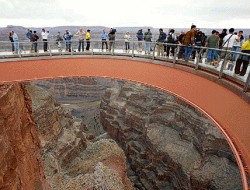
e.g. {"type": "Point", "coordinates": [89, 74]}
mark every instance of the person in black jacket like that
{"type": "Point", "coordinates": [35, 41]}
{"type": "Point", "coordinates": [12, 42]}
{"type": "Point", "coordinates": [161, 39]}
{"type": "Point", "coordinates": [139, 36]}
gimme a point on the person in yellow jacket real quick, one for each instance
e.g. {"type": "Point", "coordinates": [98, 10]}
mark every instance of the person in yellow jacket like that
{"type": "Point", "coordinates": [243, 59]}
{"type": "Point", "coordinates": [88, 40]}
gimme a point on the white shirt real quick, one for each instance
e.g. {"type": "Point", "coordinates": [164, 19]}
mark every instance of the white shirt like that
{"type": "Point", "coordinates": [45, 35]}
{"type": "Point", "coordinates": [229, 43]}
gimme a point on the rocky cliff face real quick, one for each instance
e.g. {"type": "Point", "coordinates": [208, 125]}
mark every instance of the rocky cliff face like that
{"type": "Point", "coordinates": [73, 157]}
{"type": "Point", "coordinates": [80, 97]}
{"type": "Point", "coordinates": [168, 144]}
{"type": "Point", "coordinates": [21, 165]}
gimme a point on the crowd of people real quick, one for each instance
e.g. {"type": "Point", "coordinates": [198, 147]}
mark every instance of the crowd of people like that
{"type": "Point", "coordinates": [166, 44]}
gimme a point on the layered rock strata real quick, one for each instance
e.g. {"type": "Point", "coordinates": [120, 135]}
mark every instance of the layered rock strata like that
{"type": "Point", "coordinates": [80, 97]}
{"type": "Point", "coordinates": [168, 143]}
{"type": "Point", "coordinates": [73, 158]}
{"type": "Point", "coordinates": [21, 165]}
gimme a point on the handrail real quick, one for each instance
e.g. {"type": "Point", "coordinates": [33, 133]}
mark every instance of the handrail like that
{"type": "Point", "coordinates": [119, 43]}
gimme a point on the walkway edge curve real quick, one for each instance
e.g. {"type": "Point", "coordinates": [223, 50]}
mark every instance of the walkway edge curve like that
{"type": "Point", "coordinates": [179, 83]}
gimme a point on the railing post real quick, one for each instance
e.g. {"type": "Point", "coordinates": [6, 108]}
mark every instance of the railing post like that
{"type": "Point", "coordinates": [246, 86]}
{"type": "Point", "coordinates": [133, 48]}
{"type": "Point", "coordinates": [198, 58]}
{"type": "Point", "coordinates": [153, 57]}
{"type": "Point", "coordinates": [175, 53]}
{"type": "Point", "coordinates": [92, 48]}
{"type": "Point", "coordinates": [113, 47]}
{"type": "Point", "coordinates": [50, 52]}
{"type": "Point", "coordinates": [19, 51]}
{"type": "Point", "coordinates": [222, 66]}
{"type": "Point", "coordinates": [71, 48]}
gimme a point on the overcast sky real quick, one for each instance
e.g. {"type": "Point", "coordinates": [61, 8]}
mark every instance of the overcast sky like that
{"type": "Point", "coordinates": [115, 13]}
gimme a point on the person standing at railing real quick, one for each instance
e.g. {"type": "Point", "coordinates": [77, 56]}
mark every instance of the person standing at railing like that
{"type": "Point", "coordinates": [227, 45]}
{"type": "Point", "coordinates": [111, 36]}
{"type": "Point", "coordinates": [139, 36]}
{"type": "Point", "coordinates": [35, 41]}
{"type": "Point", "coordinates": [243, 59]}
{"type": "Point", "coordinates": [80, 35]}
{"type": "Point", "coordinates": [45, 35]}
{"type": "Point", "coordinates": [68, 37]}
{"type": "Point", "coordinates": [221, 36]}
{"type": "Point", "coordinates": [104, 37]}
{"type": "Point", "coordinates": [237, 45]}
{"type": "Point", "coordinates": [12, 42]}
{"type": "Point", "coordinates": [180, 42]}
{"type": "Point", "coordinates": [59, 39]}
{"type": "Point", "coordinates": [212, 42]}
{"type": "Point", "coordinates": [171, 39]}
{"type": "Point", "coordinates": [88, 37]}
{"type": "Point", "coordinates": [148, 40]}
{"type": "Point", "coordinates": [189, 42]}
{"type": "Point", "coordinates": [127, 42]}
{"type": "Point", "coordinates": [28, 34]}
{"type": "Point", "coordinates": [15, 39]}
{"type": "Point", "coordinates": [32, 40]}
{"type": "Point", "coordinates": [160, 46]}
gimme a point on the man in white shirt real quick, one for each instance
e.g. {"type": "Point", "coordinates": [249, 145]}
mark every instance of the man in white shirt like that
{"type": "Point", "coordinates": [227, 45]}
{"type": "Point", "coordinates": [228, 40]}
{"type": "Point", "coordinates": [45, 35]}
{"type": "Point", "coordinates": [80, 35]}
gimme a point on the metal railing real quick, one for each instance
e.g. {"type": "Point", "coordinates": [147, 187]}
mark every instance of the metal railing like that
{"type": "Point", "coordinates": [156, 51]}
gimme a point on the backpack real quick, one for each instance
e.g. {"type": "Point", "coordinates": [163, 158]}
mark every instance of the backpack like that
{"type": "Point", "coordinates": [170, 39]}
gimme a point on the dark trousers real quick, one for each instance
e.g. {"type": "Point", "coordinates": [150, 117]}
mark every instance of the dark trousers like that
{"type": "Point", "coordinates": [45, 45]}
{"type": "Point", "coordinates": [88, 45]}
{"type": "Point", "coordinates": [68, 46]}
{"type": "Point", "coordinates": [104, 42]}
{"type": "Point", "coordinates": [81, 45]}
{"type": "Point", "coordinates": [170, 49]}
{"type": "Point", "coordinates": [239, 62]}
{"type": "Point", "coordinates": [35, 46]}
{"type": "Point", "coordinates": [111, 45]}
{"type": "Point", "coordinates": [12, 46]}
{"type": "Point", "coordinates": [127, 45]}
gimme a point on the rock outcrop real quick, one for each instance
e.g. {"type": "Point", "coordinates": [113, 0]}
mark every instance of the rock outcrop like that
{"type": "Point", "coordinates": [21, 165]}
{"type": "Point", "coordinates": [80, 97]}
{"type": "Point", "coordinates": [168, 143]}
{"type": "Point", "coordinates": [73, 158]}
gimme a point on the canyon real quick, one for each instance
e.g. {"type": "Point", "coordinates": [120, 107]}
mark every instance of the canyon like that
{"type": "Point", "coordinates": [99, 133]}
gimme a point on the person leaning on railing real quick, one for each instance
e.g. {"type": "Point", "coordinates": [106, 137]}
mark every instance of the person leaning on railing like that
{"type": "Point", "coordinates": [160, 46]}
{"type": "Point", "coordinates": [243, 59]}
{"type": "Point", "coordinates": [189, 42]}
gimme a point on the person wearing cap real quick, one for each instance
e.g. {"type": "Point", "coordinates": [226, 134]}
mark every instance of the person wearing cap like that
{"type": "Point", "coordinates": [80, 35]}
{"type": "Point", "coordinates": [88, 39]}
